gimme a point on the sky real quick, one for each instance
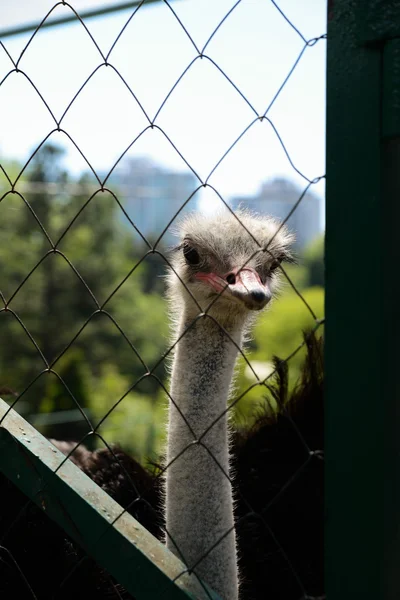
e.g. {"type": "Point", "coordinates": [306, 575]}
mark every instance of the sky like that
{"type": "Point", "coordinates": [255, 47]}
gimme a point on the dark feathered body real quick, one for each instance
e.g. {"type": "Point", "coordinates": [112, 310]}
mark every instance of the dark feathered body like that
{"type": "Point", "coordinates": [280, 476]}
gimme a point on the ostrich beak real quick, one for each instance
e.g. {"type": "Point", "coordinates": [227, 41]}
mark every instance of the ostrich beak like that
{"type": "Point", "coordinates": [249, 288]}
{"type": "Point", "coordinates": [244, 284]}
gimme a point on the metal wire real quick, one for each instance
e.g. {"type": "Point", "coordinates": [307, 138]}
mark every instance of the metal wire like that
{"type": "Point", "coordinates": [149, 372]}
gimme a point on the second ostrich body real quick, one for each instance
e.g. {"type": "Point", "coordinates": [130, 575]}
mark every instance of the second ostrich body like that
{"type": "Point", "coordinates": [218, 263]}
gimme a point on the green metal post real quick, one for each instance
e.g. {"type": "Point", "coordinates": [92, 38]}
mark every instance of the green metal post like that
{"type": "Point", "coordinates": [362, 254]}
{"type": "Point", "coordinates": [391, 214]}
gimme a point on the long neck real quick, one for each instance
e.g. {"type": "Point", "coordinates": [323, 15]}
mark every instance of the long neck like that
{"type": "Point", "coordinates": [199, 505]}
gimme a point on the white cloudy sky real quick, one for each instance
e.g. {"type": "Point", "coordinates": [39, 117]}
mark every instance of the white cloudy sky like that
{"type": "Point", "coordinates": [255, 47]}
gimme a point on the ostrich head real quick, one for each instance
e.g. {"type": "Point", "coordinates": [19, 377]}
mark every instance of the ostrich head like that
{"type": "Point", "coordinates": [231, 263]}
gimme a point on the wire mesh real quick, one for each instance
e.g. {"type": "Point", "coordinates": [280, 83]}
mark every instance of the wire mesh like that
{"type": "Point", "coordinates": [255, 517]}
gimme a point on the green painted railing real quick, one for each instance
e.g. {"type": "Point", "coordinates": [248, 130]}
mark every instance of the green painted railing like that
{"type": "Point", "coordinates": [89, 516]}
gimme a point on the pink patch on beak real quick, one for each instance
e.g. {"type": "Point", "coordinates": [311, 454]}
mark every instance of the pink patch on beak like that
{"type": "Point", "coordinates": [215, 281]}
{"type": "Point", "coordinates": [247, 286]}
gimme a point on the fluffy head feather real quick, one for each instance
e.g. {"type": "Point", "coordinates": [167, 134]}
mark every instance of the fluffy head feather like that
{"type": "Point", "coordinates": [228, 260]}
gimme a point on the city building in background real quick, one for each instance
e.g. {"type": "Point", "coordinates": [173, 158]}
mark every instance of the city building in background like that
{"type": "Point", "coordinates": [277, 198]}
{"type": "Point", "coordinates": [152, 194]}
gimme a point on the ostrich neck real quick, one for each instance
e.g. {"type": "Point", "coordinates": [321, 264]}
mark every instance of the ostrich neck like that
{"type": "Point", "coordinates": [199, 505]}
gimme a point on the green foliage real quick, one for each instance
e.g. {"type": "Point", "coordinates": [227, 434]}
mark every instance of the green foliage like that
{"type": "Point", "coordinates": [67, 391]}
{"type": "Point", "coordinates": [298, 277]}
{"type": "Point", "coordinates": [278, 333]}
{"type": "Point", "coordinates": [136, 421]}
{"type": "Point", "coordinates": [55, 295]}
{"type": "Point", "coordinates": [314, 262]}
{"type": "Point", "coordinates": [9, 171]}
{"type": "Point", "coordinates": [310, 268]}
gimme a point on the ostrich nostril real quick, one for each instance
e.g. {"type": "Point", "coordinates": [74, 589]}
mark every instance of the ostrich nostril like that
{"type": "Point", "coordinates": [231, 278]}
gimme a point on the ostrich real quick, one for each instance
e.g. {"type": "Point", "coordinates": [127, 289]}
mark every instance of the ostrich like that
{"type": "Point", "coordinates": [268, 461]}
{"type": "Point", "coordinates": [224, 270]}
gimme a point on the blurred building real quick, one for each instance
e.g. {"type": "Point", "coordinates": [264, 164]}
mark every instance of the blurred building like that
{"type": "Point", "coordinates": [152, 195]}
{"type": "Point", "coordinates": [277, 198]}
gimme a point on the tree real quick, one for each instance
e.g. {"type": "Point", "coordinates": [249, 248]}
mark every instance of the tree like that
{"type": "Point", "coordinates": [314, 262]}
{"type": "Point", "coordinates": [55, 312]}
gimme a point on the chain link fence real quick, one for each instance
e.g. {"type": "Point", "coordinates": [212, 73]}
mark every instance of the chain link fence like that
{"type": "Point", "coordinates": [272, 517]}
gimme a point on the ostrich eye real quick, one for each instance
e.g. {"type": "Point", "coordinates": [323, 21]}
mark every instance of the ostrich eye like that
{"type": "Point", "coordinates": [191, 255]}
{"type": "Point", "coordinates": [275, 264]}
